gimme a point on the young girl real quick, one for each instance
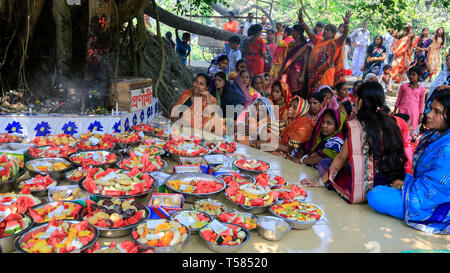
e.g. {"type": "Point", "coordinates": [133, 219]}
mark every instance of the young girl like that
{"type": "Point", "coordinates": [411, 98]}
{"type": "Point", "coordinates": [342, 92]}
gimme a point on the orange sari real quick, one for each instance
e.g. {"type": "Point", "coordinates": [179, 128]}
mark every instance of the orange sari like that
{"type": "Point", "coordinates": [402, 59]}
{"type": "Point", "coordinates": [299, 129]}
{"type": "Point", "coordinates": [326, 64]}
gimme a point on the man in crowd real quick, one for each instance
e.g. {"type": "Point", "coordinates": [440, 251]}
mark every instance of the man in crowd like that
{"type": "Point", "coordinates": [232, 26]}
{"type": "Point", "coordinates": [266, 26]}
{"type": "Point", "coordinates": [248, 23]}
{"type": "Point", "coordinates": [387, 39]}
{"type": "Point", "coordinates": [360, 40]}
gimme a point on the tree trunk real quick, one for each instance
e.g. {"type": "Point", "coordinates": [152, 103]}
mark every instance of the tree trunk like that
{"type": "Point", "coordinates": [177, 22]}
{"type": "Point", "coordinates": [63, 23]}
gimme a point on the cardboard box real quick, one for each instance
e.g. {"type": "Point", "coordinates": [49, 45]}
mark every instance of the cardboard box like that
{"type": "Point", "coordinates": [16, 151]}
{"type": "Point", "coordinates": [161, 205]}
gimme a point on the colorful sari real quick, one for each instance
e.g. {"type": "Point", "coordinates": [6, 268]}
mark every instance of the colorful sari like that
{"type": "Point", "coordinates": [278, 57]}
{"type": "Point", "coordinates": [253, 55]}
{"type": "Point", "coordinates": [325, 64]}
{"type": "Point", "coordinates": [434, 56]}
{"type": "Point", "coordinates": [424, 44]}
{"type": "Point", "coordinates": [425, 196]}
{"type": "Point", "coordinates": [359, 176]}
{"type": "Point", "coordinates": [402, 59]}
{"type": "Point", "coordinates": [298, 130]}
{"type": "Point", "coordinates": [375, 66]}
{"type": "Point", "coordinates": [249, 92]}
{"type": "Point", "coordinates": [283, 111]}
{"type": "Point", "coordinates": [196, 108]}
{"type": "Point", "coordinates": [293, 69]}
{"type": "Point", "coordinates": [404, 130]}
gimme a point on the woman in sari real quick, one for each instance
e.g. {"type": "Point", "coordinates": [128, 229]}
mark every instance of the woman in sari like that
{"type": "Point", "coordinates": [192, 103]}
{"type": "Point", "coordinates": [421, 199]}
{"type": "Point", "coordinates": [254, 50]}
{"type": "Point", "coordinates": [442, 82]}
{"type": "Point", "coordinates": [376, 54]}
{"type": "Point", "coordinates": [280, 53]}
{"type": "Point", "coordinates": [298, 130]}
{"type": "Point", "coordinates": [434, 54]}
{"type": "Point", "coordinates": [281, 96]}
{"type": "Point", "coordinates": [242, 84]}
{"type": "Point", "coordinates": [326, 141]}
{"type": "Point", "coordinates": [316, 104]}
{"type": "Point", "coordinates": [326, 61]}
{"type": "Point", "coordinates": [293, 69]}
{"type": "Point", "coordinates": [372, 153]}
{"type": "Point", "coordinates": [421, 44]}
{"type": "Point", "coordinates": [402, 55]}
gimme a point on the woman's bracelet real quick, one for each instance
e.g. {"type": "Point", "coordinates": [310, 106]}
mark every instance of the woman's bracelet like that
{"type": "Point", "coordinates": [301, 160]}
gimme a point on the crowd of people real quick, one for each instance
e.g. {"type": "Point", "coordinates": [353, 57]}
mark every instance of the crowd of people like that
{"type": "Point", "coordinates": [397, 161]}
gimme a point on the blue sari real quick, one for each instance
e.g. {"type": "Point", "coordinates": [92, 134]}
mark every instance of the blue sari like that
{"type": "Point", "coordinates": [426, 196]}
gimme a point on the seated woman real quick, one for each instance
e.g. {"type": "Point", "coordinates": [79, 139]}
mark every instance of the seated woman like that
{"type": "Point", "coordinates": [225, 94]}
{"type": "Point", "coordinates": [241, 65]}
{"type": "Point", "coordinates": [281, 96]}
{"type": "Point", "coordinates": [192, 103]}
{"type": "Point", "coordinates": [372, 153]}
{"type": "Point", "coordinates": [316, 103]}
{"type": "Point", "coordinates": [346, 109]}
{"type": "Point", "coordinates": [258, 85]}
{"type": "Point", "coordinates": [298, 130]}
{"type": "Point", "coordinates": [422, 199]}
{"type": "Point", "coordinates": [242, 84]}
{"type": "Point", "coordinates": [326, 141]}
{"type": "Point", "coordinates": [220, 65]}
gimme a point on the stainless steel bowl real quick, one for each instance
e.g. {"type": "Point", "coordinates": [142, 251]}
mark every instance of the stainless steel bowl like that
{"type": "Point", "coordinates": [168, 249]}
{"type": "Point", "coordinates": [10, 185]}
{"type": "Point", "coordinates": [192, 197]}
{"type": "Point", "coordinates": [226, 249]}
{"type": "Point", "coordinates": [7, 243]}
{"type": "Point", "coordinates": [251, 178]}
{"type": "Point", "coordinates": [120, 145]}
{"type": "Point", "coordinates": [299, 224]}
{"type": "Point", "coordinates": [251, 172]}
{"type": "Point", "coordinates": [158, 170]}
{"type": "Point", "coordinates": [89, 245]}
{"type": "Point", "coordinates": [252, 209]}
{"type": "Point", "coordinates": [120, 232]}
{"type": "Point", "coordinates": [245, 213]}
{"type": "Point", "coordinates": [161, 151]}
{"type": "Point", "coordinates": [175, 214]}
{"type": "Point", "coordinates": [54, 203]}
{"type": "Point", "coordinates": [269, 234]}
{"type": "Point", "coordinates": [41, 193]}
{"type": "Point", "coordinates": [40, 147]}
{"type": "Point", "coordinates": [103, 152]}
{"type": "Point", "coordinates": [140, 198]}
{"type": "Point", "coordinates": [67, 188]}
{"type": "Point", "coordinates": [70, 180]}
{"type": "Point", "coordinates": [58, 175]}
{"type": "Point", "coordinates": [210, 214]}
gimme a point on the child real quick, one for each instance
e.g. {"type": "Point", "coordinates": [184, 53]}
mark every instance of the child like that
{"type": "Point", "coordinates": [342, 92]}
{"type": "Point", "coordinates": [268, 82]}
{"type": "Point", "coordinates": [347, 68]}
{"type": "Point", "coordinates": [423, 64]}
{"type": "Point", "coordinates": [279, 34]}
{"type": "Point", "coordinates": [235, 53]}
{"type": "Point", "coordinates": [386, 78]}
{"type": "Point", "coordinates": [217, 66]}
{"type": "Point", "coordinates": [182, 47]}
{"type": "Point", "coordinates": [411, 98]}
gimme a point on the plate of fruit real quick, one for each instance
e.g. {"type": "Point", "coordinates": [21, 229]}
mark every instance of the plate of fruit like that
{"type": "Point", "coordinates": [76, 175]}
{"type": "Point", "coordinates": [61, 139]}
{"type": "Point", "coordinates": [265, 179]}
{"type": "Point", "coordinates": [222, 147]}
{"type": "Point", "coordinates": [194, 220]}
{"type": "Point", "coordinates": [253, 198]}
{"type": "Point", "coordinates": [251, 165]}
{"type": "Point", "coordinates": [37, 186]}
{"type": "Point", "coordinates": [147, 149]}
{"type": "Point", "coordinates": [210, 206]}
{"type": "Point", "coordinates": [224, 237]}
{"type": "Point", "coordinates": [10, 138]}
{"type": "Point", "coordinates": [9, 173]}
{"type": "Point", "coordinates": [234, 178]}
{"type": "Point", "coordinates": [300, 215]}
{"type": "Point", "coordinates": [291, 192]}
{"type": "Point", "coordinates": [180, 147]}
{"type": "Point", "coordinates": [12, 225]}
{"type": "Point", "coordinates": [51, 151]}
{"type": "Point", "coordinates": [91, 141]}
{"type": "Point", "coordinates": [145, 163]}
{"type": "Point", "coordinates": [243, 219]}
{"type": "Point", "coordinates": [59, 210]}
{"type": "Point", "coordinates": [98, 158]}
{"type": "Point", "coordinates": [18, 202]}
{"type": "Point", "coordinates": [195, 186]}
{"type": "Point", "coordinates": [128, 139]}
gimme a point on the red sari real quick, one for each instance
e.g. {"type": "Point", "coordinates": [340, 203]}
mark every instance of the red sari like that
{"type": "Point", "coordinates": [402, 59]}
{"type": "Point", "coordinates": [254, 55]}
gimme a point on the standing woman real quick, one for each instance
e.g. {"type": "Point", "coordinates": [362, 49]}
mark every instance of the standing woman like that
{"type": "Point", "coordinates": [293, 69]}
{"type": "Point", "coordinates": [434, 54]}
{"type": "Point", "coordinates": [421, 44]}
{"type": "Point", "coordinates": [402, 55]}
{"type": "Point", "coordinates": [326, 61]}
{"type": "Point", "coordinates": [373, 151]}
{"type": "Point", "coordinates": [254, 51]}
{"type": "Point", "coordinates": [422, 199]}
{"type": "Point", "coordinates": [280, 52]}
{"type": "Point", "coordinates": [376, 54]}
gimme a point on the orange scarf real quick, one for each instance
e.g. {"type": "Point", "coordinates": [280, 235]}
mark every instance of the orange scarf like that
{"type": "Point", "coordinates": [298, 130]}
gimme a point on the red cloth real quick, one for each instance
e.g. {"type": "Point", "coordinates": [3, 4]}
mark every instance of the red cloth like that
{"type": "Point", "coordinates": [404, 130]}
{"type": "Point", "coordinates": [254, 57]}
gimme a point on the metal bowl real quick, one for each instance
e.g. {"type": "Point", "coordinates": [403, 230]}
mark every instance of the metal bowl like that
{"type": "Point", "coordinates": [31, 157]}
{"type": "Point", "coordinates": [252, 209]}
{"type": "Point", "coordinates": [58, 175]}
{"type": "Point", "coordinates": [192, 197]}
{"type": "Point", "coordinates": [251, 178]}
{"type": "Point", "coordinates": [140, 198]}
{"type": "Point", "coordinates": [120, 145]}
{"type": "Point", "coordinates": [210, 214]}
{"type": "Point", "coordinates": [158, 170]}
{"type": "Point", "coordinates": [161, 150]}
{"type": "Point", "coordinates": [168, 249]}
{"type": "Point", "coordinates": [300, 199]}
{"type": "Point", "coordinates": [41, 193]}
{"type": "Point", "coordinates": [226, 249]}
{"type": "Point", "coordinates": [120, 232]}
{"type": "Point", "coordinates": [54, 203]}
{"type": "Point", "coordinates": [62, 188]}
{"type": "Point", "coordinates": [104, 153]}
{"type": "Point", "coordinates": [7, 242]}
{"type": "Point", "coordinates": [299, 224]}
{"type": "Point", "coordinates": [10, 185]}
{"type": "Point", "coordinates": [245, 213]}
{"type": "Point", "coordinates": [20, 239]}
{"type": "Point", "coordinates": [174, 215]}
{"type": "Point", "coordinates": [251, 172]}
{"type": "Point", "coordinates": [269, 234]}
{"type": "Point", "coordinates": [70, 180]}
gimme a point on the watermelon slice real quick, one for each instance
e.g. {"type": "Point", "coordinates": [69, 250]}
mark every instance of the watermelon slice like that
{"type": "Point", "coordinates": [12, 227]}
{"type": "Point", "coordinates": [207, 233]}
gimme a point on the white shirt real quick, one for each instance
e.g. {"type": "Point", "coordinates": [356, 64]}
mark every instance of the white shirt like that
{"type": "Point", "coordinates": [247, 25]}
{"type": "Point", "coordinates": [387, 38]}
{"type": "Point", "coordinates": [360, 38]}
{"type": "Point", "coordinates": [233, 57]}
